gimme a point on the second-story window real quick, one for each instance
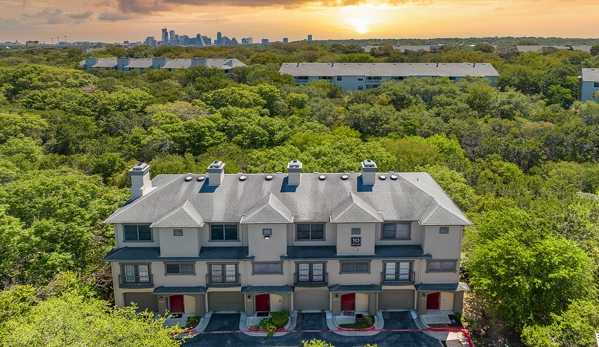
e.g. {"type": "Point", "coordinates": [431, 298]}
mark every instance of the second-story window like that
{"type": "Point", "coordinates": [223, 232]}
{"type": "Point", "coordinates": [396, 231]}
{"type": "Point", "coordinates": [399, 272]}
{"type": "Point", "coordinates": [222, 273]}
{"type": "Point", "coordinates": [135, 275]}
{"type": "Point", "coordinates": [268, 268]}
{"type": "Point", "coordinates": [310, 272]}
{"type": "Point", "coordinates": [441, 266]}
{"type": "Point", "coordinates": [355, 267]}
{"type": "Point", "coordinates": [179, 268]}
{"type": "Point", "coordinates": [313, 231]}
{"type": "Point", "coordinates": [137, 232]}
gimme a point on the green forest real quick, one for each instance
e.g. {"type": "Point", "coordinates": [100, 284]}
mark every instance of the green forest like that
{"type": "Point", "coordinates": [520, 159]}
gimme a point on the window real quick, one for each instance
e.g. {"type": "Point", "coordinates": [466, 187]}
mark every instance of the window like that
{"type": "Point", "coordinates": [310, 272]}
{"type": "Point", "coordinates": [328, 78]}
{"type": "Point", "coordinates": [444, 230]}
{"type": "Point", "coordinates": [268, 268]}
{"type": "Point", "coordinates": [310, 231]}
{"type": "Point", "coordinates": [356, 231]}
{"type": "Point", "coordinates": [397, 78]}
{"type": "Point", "coordinates": [596, 84]}
{"type": "Point", "coordinates": [222, 273]}
{"type": "Point", "coordinates": [135, 274]}
{"type": "Point", "coordinates": [360, 87]}
{"type": "Point", "coordinates": [137, 233]}
{"type": "Point", "coordinates": [398, 272]}
{"type": "Point", "coordinates": [180, 269]}
{"type": "Point", "coordinates": [266, 232]}
{"type": "Point", "coordinates": [223, 232]}
{"type": "Point", "coordinates": [177, 232]}
{"type": "Point", "coordinates": [339, 78]}
{"type": "Point", "coordinates": [360, 78]}
{"type": "Point", "coordinates": [355, 267]}
{"type": "Point", "coordinates": [398, 231]}
{"type": "Point", "coordinates": [441, 266]}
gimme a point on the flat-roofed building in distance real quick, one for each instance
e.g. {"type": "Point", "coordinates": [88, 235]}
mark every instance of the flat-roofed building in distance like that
{"type": "Point", "coordinates": [131, 64]}
{"type": "Point", "coordinates": [355, 242]}
{"type": "Point", "coordinates": [362, 76]}
{"type": "Point", "coordinates": [589, 85]}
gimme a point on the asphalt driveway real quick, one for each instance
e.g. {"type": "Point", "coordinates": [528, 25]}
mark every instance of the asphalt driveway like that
{"type": "Point", "coordinates": [311, 321]}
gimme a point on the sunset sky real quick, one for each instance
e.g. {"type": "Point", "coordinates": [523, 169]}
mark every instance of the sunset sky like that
{"type": "Point", "coordinates": [134, 20]}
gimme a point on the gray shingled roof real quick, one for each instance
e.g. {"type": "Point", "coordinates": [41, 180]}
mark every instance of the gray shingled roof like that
{"type": "Point", "coordinates": [105, 63]}
{"type": "Point", "coordinates": [267, 289]}
{"type": "Point", "coordinates": [153, 254]}
{"type": "Point", "coordinates": [190, 290]}
{"type": "Point", "coordinates": [224, 64]}
{"type": "Point", "coordinates": [389, 69]}
{"type": "Point", "coordinates": [355, 288]}
{"type": "Point", "coordinates": [177, 64]}
{"type": "Point", "coordinates": [525, 48]}
{"type": "Point", "coordinates": [381, 252]}
{"type": "Point", "coordinates": [413, 196]}
{"type": "Point", "coordinates": [354, 210]}
{"type": "Point", "coordinates": [184, 216]}
{"type": "Point", "coordinates": [442, 287]}
{"type": "Point", "coordinates": [590, 75]}
{"type": "Point", "coordinates": [269, 210]}
{"type": "Point", "coordinates": [142, 63]}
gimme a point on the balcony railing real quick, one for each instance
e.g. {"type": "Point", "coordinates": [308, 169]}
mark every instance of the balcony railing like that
{"type": "Point", "coordinates": [136, 281]}
{"type": "Point", "coordinates": [223, 281]}
{"type": "Point", "coordinates": [310, 280]}
{"type": "Point", "coordinates": [397, 278]}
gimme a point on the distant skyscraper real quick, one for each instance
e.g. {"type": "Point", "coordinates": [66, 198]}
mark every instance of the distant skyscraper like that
{"type": "Point", "coordinates": [171, 40]}
{"type": "Point", "coordinates": [309, 37]}
{"type": "Point", "coordinates": [264, 41]}
{"type": "Point", "coordinates": [247, 41]}
{"type": "Point", "coordinates": [199, 42]}
{"type": "Point", "coordinates": [150, 41]}
{"type": "Point", "coordinates": [207, 40]}
{"type": "Point", "coordinates": [219, 38]}
{"type": "Point", "coordinates": [234, 41]}
{"type": "Point", "coordinates": [285, 40]}
{"type": "Point", "coordinates": [164, 37]}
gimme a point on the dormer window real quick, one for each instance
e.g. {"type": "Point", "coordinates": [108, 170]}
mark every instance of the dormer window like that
{"type": "Point", "coordinates": [396, 231]}
{"type": "Point", "coordinates": [314, 231]}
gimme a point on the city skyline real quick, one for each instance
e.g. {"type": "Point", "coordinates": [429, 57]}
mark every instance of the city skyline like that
{"type": "Point", "coordinates": [134, 20]}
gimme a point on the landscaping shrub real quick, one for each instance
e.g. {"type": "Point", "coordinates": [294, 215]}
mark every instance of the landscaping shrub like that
{"type": "Point", "coordinates": [192, 322]}
{"type": "Point", "coordinates": [279, 319]}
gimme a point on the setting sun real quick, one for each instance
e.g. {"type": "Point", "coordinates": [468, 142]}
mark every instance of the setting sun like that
{"type": "Point", "coordinates": [359, 24]}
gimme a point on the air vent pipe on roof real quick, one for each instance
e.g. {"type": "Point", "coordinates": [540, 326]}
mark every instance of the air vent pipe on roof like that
{"type": "Point", "coordinates": [368, 172]}
{"type": "Point", "coordinates": [216, 173]}
{"type": "Point", "coordinates": [140, 180]}
{"type": "Point", "coordinates": [294, 168]}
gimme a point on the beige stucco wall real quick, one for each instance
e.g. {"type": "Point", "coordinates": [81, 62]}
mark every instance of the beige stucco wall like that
{"type": "Point", "coordinates": [189, 304]}
{"type": "Point", "coordinates": [183, 246]}
{"type": "Point", "coordinates": [362, 302]}
{"type": "Point", "coordinates": [443, 246]}
{"type": "Point", "coordinates": [267, 250]}
{"type": "Point", "coordinates": [367, 233]}
{"type": "Point", "coordinates": [120, 242]}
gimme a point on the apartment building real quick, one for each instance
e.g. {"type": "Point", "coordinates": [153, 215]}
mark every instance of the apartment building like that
{"type": "Point", "coordinates": [589, 85]}
{"type": "Point", "coordinates": [362, 76]}
{"type": "Point", "coordinates": [131, 64]}
{"type": "Point", "coordinates": [365, 241]}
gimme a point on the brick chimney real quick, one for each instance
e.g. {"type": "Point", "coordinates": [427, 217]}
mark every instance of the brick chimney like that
{"type": "Point", "coordinates": [294, 168]}
{"type": "Point", "coordinates": [368, 172]}
{"type": "Point", "coordinates": [216, 173]}
{"type": "Point", "coordinates": [140, 180]}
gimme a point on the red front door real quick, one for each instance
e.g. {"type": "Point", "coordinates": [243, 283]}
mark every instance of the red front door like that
{"type": "Point", "coordinates": [348, 302]}
{"type": "Point", "coordinates": [263, 302]}
{"type": "Point", "coordinates": [432, 301]}
{"type": "Point", "coordinates": [176, 302]}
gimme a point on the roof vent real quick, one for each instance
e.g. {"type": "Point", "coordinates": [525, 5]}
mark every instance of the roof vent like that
{"type": "Point", "coordinates": [344, 177]}
{"type": "Point", "coordinates": [269, 177]}
{"type": "Point", "coordinates": [382, 177]}
{"type": "Point", "coordinates": [201, 178]}
{"type": "Point", "coordinates": [322, 177]}
{"type": "Point", "coordinates": [188, 178]}
{"type": "Point", "coordinates": [243, 178]}
{"type": "Point", "coordinates": [394, 177]}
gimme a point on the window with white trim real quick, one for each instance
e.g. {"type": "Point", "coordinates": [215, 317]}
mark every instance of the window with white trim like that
{"type": "Point", "coordinates": [310, 272]}
{"type": "Point", "coordinates": [135, 273]}
{"type": "Point", "coordinates": [223, 273]}
{"type": "Point", "coordinates": [399, 271]}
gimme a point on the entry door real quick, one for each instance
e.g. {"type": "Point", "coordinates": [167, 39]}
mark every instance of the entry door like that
{"type": "Point", "coordinates": [263, 302]}
{"type": "Point", "coordinates": [176, 304]}
{"type": "Point", "coordinates": [348, 302]}
{"type": "Point", "coordinates": [432, 301]}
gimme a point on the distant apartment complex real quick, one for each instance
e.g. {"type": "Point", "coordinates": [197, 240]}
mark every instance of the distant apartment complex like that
{"type": "Point", "coordinates": [362, 76]}
{"type": "Point", "coordinates": [131, 64]}
{"type": "Point", "coordinates": [343, 242]}
{"type": "Point", "coordinates": [589, 85]}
